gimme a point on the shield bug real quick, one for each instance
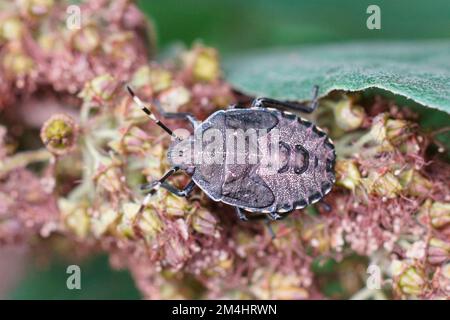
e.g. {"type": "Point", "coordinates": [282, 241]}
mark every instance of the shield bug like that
{"type": "Point", "coordinates": [246, 174]}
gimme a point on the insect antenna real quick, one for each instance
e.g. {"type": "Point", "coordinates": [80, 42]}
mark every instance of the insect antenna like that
{"type": "Point", "coordinates": [149, 113]}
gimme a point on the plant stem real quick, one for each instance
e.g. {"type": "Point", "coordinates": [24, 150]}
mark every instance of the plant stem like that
{"type": "Point", "coordinates": [23, 159]}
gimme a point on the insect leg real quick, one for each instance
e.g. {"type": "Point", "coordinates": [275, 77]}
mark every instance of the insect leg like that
{"type": "Point", "coordinates": [177, 115]}
{"type": "Point", "coordinates": [152, 188]}
{"type": "Point", "coordinates": [179, 192]}
{"type": "Point", "coordinates": [296, 106]}
{"type": "Point", "coordinates": [269, 227]}
{"type": "Point", "coordinates": [325, 206]}
{"type": "Point", "coordinates": [241, 215]}
{"type": "Point", "coordinates": [274, 216]}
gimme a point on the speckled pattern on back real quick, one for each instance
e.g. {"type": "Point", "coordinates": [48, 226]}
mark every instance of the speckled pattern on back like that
{"type": "Point", "coordinates": [255, 188]}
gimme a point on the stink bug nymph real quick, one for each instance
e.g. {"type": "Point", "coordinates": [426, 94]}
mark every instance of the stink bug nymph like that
{"type": "Point", "coordinates": [301, 173]}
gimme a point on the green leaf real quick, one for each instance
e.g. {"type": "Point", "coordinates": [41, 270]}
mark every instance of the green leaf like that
{"type": "Point", "coordinates": [418, 70]}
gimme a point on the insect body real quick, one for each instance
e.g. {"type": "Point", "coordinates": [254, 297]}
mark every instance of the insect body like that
{"type": "Point", "coordinates": [261, 160]}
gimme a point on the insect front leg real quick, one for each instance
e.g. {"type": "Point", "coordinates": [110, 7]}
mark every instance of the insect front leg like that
{"type": "Point", "coordinates": [295, 106]}
{"type": "Point", "coordinates": [179, 192]}
{"type": "Point", "coordinates": [177, 115]}
{"type": "Point", "coordinates": [152, 189]}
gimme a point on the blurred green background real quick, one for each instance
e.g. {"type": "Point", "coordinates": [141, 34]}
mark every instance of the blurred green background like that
{"type": "Point", "coordinates": [233, 26]}
{"type": "Point", "coordinates": [98, 281]}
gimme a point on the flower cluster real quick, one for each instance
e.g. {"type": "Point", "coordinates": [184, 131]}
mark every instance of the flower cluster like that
{"type": "Point", "coordinates": [392, 201]}
{"type": "Point", "coordinates": [44, 63]}
{"type": "Point", "coordinates": [79, 181]}
{"type": "Point", "coordinates": [44, 45]}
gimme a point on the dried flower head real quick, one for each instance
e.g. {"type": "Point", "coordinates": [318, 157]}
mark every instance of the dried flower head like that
{"type": "Point", "coordinates": [59, 134]}
{"type": "Point", "coordinates": [349, 116]}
